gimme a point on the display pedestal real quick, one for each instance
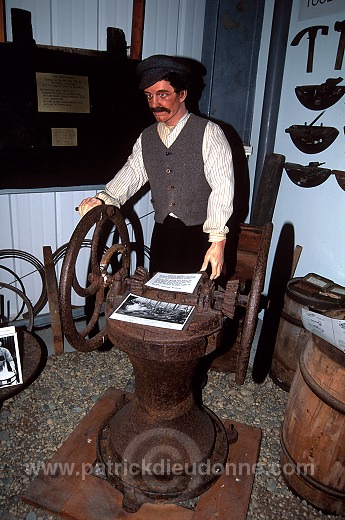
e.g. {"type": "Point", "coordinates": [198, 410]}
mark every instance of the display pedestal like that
{"type": "Point", "coordinates": [68, 488]}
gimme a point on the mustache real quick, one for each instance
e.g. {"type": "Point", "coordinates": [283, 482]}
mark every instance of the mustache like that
{"type": "Point", "coordinates": [160, 109]}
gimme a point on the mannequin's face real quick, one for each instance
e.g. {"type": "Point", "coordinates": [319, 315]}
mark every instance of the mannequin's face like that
{"type": "Point", "coordinates": [166, 105]}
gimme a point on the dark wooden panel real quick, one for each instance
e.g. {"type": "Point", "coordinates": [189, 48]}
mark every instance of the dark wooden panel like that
{"type": "Point", "coordinates": [118, 113]}
{"type": "Point", "coordinates": [250, 238]}
{"type": "Point", "coordinates": [245, 266]}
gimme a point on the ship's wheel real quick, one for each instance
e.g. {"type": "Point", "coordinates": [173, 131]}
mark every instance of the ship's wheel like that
{"type": "Point", "coordinates": [103, 221]}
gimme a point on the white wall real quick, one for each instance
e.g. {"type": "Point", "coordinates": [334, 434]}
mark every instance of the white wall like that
{"type": "Point", "coordinates": [47, 217]}
{"type": "Point", "coordinates": [317, 214]}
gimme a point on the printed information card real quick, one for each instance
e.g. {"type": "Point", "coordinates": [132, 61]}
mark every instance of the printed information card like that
{"type": "Point", "coordinates": [175, 282]}
{"type": "Point", "coordinates": [331, 330]}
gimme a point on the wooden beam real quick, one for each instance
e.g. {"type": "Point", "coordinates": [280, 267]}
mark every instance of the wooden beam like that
{"type": "Point", "coordinates": [53, 300]}
{"type": "Point", "coordinates": [2, 22]}
{"type": "Point", "coordinates": [266, 197]}
{"type": "Point", "coordinates": [137, 29]}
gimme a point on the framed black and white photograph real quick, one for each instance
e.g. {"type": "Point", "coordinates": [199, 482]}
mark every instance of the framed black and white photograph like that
{"type": "Point", "coordinates": [145, 311]}
{"type": "Point", "coordinates": [10, 365]}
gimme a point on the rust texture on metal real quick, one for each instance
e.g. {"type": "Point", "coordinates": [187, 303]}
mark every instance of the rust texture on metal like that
{"type": "Point", "coordinates": [162, 445]}
{"type": "Point", "coordinates": [230, 298]}
{"type": "Point", "coordinates": [81, 496]}
{"type": "Point", "coordinates": [253, 247]}
{"type": "Point", "coordinates": [253, 302]}
{"type": "Point", "coordinates": [162, 432]}
{"type": "Point", "coordinates": [98, 277]}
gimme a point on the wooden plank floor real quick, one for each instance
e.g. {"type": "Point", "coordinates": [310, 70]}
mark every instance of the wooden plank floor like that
{"type": "Point", "coordinates": [68, 490]}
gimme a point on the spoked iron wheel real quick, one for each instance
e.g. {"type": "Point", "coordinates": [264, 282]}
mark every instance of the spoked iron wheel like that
{"type": "Point", "coordinates": [103, 218]}
{"type": "Point", "coordinates": [29, 266]}
{"type": "Point", "coordinates": [26, 302]}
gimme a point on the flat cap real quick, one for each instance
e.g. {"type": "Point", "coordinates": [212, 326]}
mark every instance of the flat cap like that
{"type": "Point", "coordinates": [155, 67]}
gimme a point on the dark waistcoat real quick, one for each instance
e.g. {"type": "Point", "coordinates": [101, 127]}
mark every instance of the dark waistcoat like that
{"type": "Point", "coordinates": [176, 174]}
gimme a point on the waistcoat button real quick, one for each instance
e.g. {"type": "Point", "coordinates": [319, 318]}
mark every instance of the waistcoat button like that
{"type": "Point", "coordinates": [168, 170]}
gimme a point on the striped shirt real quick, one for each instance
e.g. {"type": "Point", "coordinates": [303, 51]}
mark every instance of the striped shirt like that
{"type": "Point", "coordinates": [218, 169]}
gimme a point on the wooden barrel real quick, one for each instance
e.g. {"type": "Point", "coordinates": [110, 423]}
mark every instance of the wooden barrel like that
{"type": "Point", "coordinates": [292, 336]}
{"type": "Point", "coordinates": [313, 429]}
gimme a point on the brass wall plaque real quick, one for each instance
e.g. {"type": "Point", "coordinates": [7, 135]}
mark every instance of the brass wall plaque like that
{"type": "Point", "coordinates": [62, 93]}
{"type": "Point", "coordinates": [64, 137]}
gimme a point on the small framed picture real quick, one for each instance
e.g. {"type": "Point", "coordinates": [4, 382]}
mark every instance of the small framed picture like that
{"type": "Point", "coordinates": [10, 365]}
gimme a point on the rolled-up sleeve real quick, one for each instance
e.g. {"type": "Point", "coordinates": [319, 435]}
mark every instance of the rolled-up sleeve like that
{"type": "Point", "coordinates": [219, 172]}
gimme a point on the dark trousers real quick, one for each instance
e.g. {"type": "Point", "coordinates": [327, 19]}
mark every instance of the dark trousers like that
{"type": "Point", "coordinates": [177, 248]}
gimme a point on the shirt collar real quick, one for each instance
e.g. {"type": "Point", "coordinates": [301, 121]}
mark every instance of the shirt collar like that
{"type": "Point", "coordinates": [171, 128]}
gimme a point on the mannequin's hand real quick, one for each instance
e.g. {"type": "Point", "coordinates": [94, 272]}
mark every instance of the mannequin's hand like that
{"type": "Point", "coordinates": [88, 204]}
{"type": "Point", "coordinates": [214, 256]}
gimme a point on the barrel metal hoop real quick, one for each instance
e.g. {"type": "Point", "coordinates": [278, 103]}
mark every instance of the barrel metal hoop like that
{"type": "Point", "coordinates": [331, 401]}
{"type": "Point", "coordinates": [291, 319]}
{"type": "Point", "coordinates": [338, 495]}
{"type": "Point", "coordinates": [329, 350]}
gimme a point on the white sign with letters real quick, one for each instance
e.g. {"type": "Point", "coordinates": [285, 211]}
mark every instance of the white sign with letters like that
{"type": "Point", "coordinates": [329, 329]}
{"type": "Point", "coordinates": [316, 8]}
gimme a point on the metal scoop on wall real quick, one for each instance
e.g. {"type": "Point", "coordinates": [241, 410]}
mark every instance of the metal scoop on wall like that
{"type": "Point", "coordinates": [307, 176]}
{"type": "Point", "coordinates": [312, 139]}
{"type": "Point", "coordinates": [320, 97]}
{"type": "Point", "coordinates": [312, 175]}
